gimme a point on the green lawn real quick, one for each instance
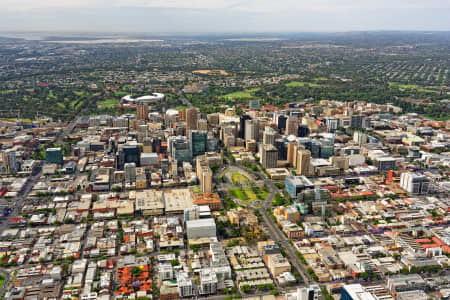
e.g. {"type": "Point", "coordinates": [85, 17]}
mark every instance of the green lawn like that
{"type": "Point", "coordinates": [109, 103]}
{"type": "Point", "coordinates": [79, 93]}
{"type": "Point", "coordinates": [241, 95]}
{"type": "Point", "coordinates": [320, 79]}
{"type": "Point", "coordinates": [238, 178]}
{"type": "Point", "coordinates": [250, 195]}
{"type": "Point", "coordinates": [7, 92]}
{"type": "Point", "coordinates": [428, 91]}
{"type": "Point", "coordinates": [238, 193]}
{"type": "Point", "coordinates": [403, 86]}
{"type": "Point", "coordinates": [301, 83]}
{"type": "Point", "coordinates": [120, 94]}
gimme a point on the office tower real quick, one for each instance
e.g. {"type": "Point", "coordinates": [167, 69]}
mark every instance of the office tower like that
{"type": "Point", "coordinates": [8, 162]}
{"type": "Point", "coordinates": [202, 124]}
{"type": "Point", "coordinates": [128, 154]}
{"type": "Point", "coordinates": [291, 152]}
{"type": "Point", "coordinates": [251, 130]}
{"type": "Point", "coordinates": [54, 156]}
{"type": "Point", "coordinates": [197, 142]}
{"type": "Point", "coordinates": [360, 138]}
{"type": "Point", "coordinates": [303, 162]}
{"type": "Point", "coordinates": [281, 146]}
{"type": "Point", "coordinates": [182, 115]}
{"type": "Point", "coordinates": [269, 136]}
{"type": "Point", "coordinates": [358, 121]}
{"type": "Point", "coordinates": [206, 179]}
{"type": "Point", "coordinates": [282, 122]}
{"type": "Point", "coordinates": [269, 156]}
{"type": "Point", "coordinates": [130, 172]}
{"type": "Point", "coordinates": [414, 183]}
{"type": "Point", "coordinates": [291, 126]}
{"type": "Point", "coordinates": [191, 119]}
{"type": "Point", "coordinates": [242, 120]}
{"type": "Point", "coordinates": [332, 124]}
{"type": "Point", "coordinates": [142, 111]}
{"type": "Point", "coordinates": [302, 130]}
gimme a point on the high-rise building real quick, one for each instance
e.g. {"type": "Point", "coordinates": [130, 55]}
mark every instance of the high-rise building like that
{"type": "Point", "coordinates": [197, 142]}
{"type": "Point", "coordinates": [332, 124]}
{"type": "Point", "coordinates": [206, 180]}
{"type": "Point", "coordinates": [251, 130]}
{"type": "Point", "coordinates": [302, 130]}
{"type": "Point", "coordinates": [202, 124]}
{"type": "Point", "coordinates": [130, 172]}
{"type": "Point", "coordinates": [294, 185]}
{"type": "Point", "coordinates": [8, 162]}
{"type": "Point", "coordinates": [191, 119]}
{"type": "Point", "coordinates": [281, 146]}
{"type": "Point", "coordinates": [303, 162]}
{"type": "Point", "coordinates": [142, 111]}
{"type": "Point", "coordinates": [242, 120]}
{"type": "Point", "coordinates": [358, 121]}
{"type": "Point", "coordinates": [360, 137]}
{"type": "Point", "coordinates": [269, 156]}
{"type": "Point", "coordinates": [291, 152]}
{"type": "Point", "coordinates": [282, 122]}
{"type": "Point", "coordinates": [128, 153]}
{"type": "Point", "coordinates": [291, 126]}
{"type": "Point", "coordinates": [414, 183]}
{"type": "Point", "coordinates": [269, 136]}
{"type": "Point", "coordinates": [54, 156]}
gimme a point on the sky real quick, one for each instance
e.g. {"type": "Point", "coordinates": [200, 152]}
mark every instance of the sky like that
{"type": "Point", "coordinates": [222, 16]}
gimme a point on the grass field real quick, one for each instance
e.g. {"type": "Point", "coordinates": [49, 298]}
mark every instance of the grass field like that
{"type": "Point", "coordinates": [79, 93]}
{"type": "Point", "coordinates": [238, 193]}
{"type": "Point", "coordinates": [7, 92]}
{"type": "Point", "coordinates": [108, 103]}
{"type": "Point", "coordinates": [320, 79]}
{"type": "Point", "coordinates": [403, 86]}
{"type": "Point", "coordinates": [301, 83]}
{"type": "Point", "coordinates": [428, 91]}
{"type": "Point", "coordinates": [120, 94]}
{"type": "Point", "coordinates": [241, 95]}
{"type": "Point", "coordinates": [250, 195]}
{"type": "Point", "coordinates": [238, 178]}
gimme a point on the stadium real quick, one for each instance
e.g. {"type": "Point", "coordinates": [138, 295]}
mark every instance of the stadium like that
{"type": "Point", "coordinates": [148, 99]}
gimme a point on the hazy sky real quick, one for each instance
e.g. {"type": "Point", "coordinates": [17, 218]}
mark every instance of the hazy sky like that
{"type": "Point", "coordinates": [223, 15]}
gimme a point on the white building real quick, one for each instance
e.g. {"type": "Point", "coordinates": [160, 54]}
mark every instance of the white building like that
{"type": "Point", "coordinates": [130, 172]}
{"type": "Point", "coordinates": [200, 228]}
{"type": "Point", "coordinates": [165, 271]}
{"type": "Point", "coordinates": [414, 183]}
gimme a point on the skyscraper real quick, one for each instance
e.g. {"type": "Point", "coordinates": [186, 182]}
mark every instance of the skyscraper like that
{"type": "Point", "coordinates": [242, 125]}
{"type": "Point", "coordinates": [269, 136]}
{"type": "Point", "coordinates": [130, 172]}
{"type": "Point", "coordinates": [269, 156]}
{"type": "Point", "coordinates": [251, 130]}
{"type": "Point", "coordinates": [303, 162]}
{"type": "Point", "coordinates": [197, 142]}
{"type": "Point", "coordinates": [291, 126]}
{"type": "Point", "coordinates": [142, 111]}
{"type": "Point", "coordinates": [8, 162]}
{"type": "Point", "coordinates": [191, 119]}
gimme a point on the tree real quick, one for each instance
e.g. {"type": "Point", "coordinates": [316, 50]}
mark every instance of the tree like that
{"type": "Point", "coordinates": [246, 288]}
